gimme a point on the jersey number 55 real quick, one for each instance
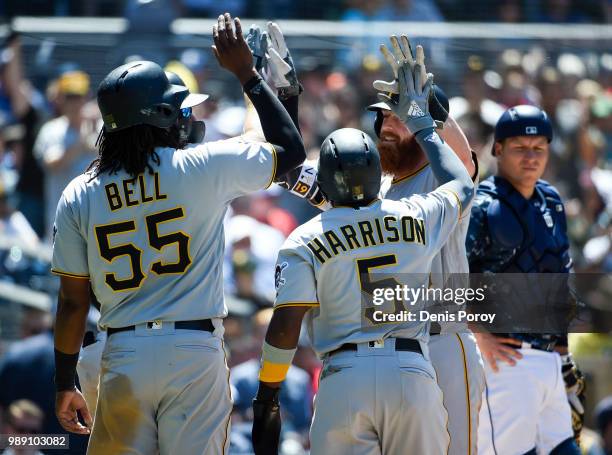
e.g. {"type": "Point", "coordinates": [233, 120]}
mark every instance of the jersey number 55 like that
{"type": "Point", "coordinates": [109, 253]}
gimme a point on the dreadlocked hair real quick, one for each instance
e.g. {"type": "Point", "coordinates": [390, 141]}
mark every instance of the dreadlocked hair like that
{"type": "Point", "coordinates": [132, 149]}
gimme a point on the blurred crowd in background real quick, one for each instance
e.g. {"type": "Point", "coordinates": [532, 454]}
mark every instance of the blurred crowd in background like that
{"type": "Point", "coordinates": [557, 11]}
{"type": "Point", "coordinates": [49, 123]}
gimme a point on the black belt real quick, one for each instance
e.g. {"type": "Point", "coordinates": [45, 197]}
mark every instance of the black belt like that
{"type": "Point", "coordinates": [202, 324]}
{"type": "Point", "coordinates": [401, 344]}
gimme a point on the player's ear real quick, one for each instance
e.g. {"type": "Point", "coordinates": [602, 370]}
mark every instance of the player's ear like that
{"type": "Point", "coordinates": [497, 148]}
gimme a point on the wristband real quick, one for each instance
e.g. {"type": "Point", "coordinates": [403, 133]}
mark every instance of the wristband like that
{"type": "Point", "coordinates": [275, 363]}
{"type": "Point", "coordinates": [65, 371]}
{"type": "Point", "coordinates": [305, 181]}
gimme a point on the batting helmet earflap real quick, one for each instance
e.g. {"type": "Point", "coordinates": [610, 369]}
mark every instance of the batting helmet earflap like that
{"type": "Point", "coordinates": [349, 168]}
{"type": "Point", "coordinates": [139, 93]}
{"type": "Point", "coordinates": [523, 120]}
{"type": "Point", "coordinates": [190, 131]}
{"type": "Point", "coordinates": [438, 108]}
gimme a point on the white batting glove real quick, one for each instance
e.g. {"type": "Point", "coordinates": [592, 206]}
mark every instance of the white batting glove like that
{"type": "Point", "coordinates": [402, 52]}
{"type": "Point", "coordinates": [258, 44]}
{"type": "Point", "coordinates": [281, 71]}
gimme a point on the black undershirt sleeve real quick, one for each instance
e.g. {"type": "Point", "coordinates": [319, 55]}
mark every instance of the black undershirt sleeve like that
{"type": "Point", "coordinates": [277, 125]}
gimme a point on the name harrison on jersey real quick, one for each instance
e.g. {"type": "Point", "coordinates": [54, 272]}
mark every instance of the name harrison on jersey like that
{"type": "Point", "coordinates": [367, 233]}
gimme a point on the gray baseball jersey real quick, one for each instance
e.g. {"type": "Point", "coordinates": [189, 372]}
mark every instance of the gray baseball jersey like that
{"type": "Point", "coordinates": [452, 258]}
{"type": "Point", "coordinates": [135, 238]}
{"type": "Point", "coordinates": [324, 263]}
{"type": "Point", "coordinates": [454, 351]}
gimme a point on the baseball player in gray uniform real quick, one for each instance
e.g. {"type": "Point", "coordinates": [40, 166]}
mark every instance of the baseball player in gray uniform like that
{"type": "Point", "coordinates": [454, 353]}
{"type": "Point", "coordinates": [377, 392]}
{"type": "Point", "coordinates": [191, 131]}
{"type": "Point", "coordinates": [143, 227]}
{"type": "Point", "coordinates": [453, 349]}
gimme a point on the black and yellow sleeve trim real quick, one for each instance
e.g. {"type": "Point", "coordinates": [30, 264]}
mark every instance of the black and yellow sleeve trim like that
{"type": "Point", "coordinates": [323, 201]}
{"type": "Point", "coordinates": [274, 165]}
{"type": "Point", "coordinates": [68, 274]}
{"type": "Point", "coordinates": [409, 176]}
{"type": "Point", "coordinates": [293, 304]}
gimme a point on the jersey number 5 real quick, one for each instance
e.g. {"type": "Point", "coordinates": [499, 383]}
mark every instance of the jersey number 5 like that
{"type": "Point", "coordinates": [364, 267]}
{"type": "Point", "coordinates": [156, 240]}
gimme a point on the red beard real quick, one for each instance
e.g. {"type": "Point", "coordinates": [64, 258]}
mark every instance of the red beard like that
{"type": "Point", "coordinates": [396, 157]}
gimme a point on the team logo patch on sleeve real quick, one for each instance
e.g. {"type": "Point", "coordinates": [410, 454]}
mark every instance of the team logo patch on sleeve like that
{"type": "Point", "coordinates": [278, 274]}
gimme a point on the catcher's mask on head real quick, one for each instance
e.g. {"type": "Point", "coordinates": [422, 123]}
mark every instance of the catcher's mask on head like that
{"type": "Point", "coordinates": [349, 168]}
{"type": "Point", "coordinates": [139, 93]}
{"type": "Point", "coordinates": [190, 131]}
{"type": "Point", "coordinates": [523, 120]}
{"type": "Point", "coordinates": [438, 108]}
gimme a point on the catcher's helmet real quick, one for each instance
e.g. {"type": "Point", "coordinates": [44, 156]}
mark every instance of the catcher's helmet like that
{"type": "Point", "coordinates": [349, 168]}
{"type": "Point", "coordinates": [523, 120]}
{"type": "Point", "coordinates": [139, 93]}
{"type": "Point", "coordinates": [438, 108]}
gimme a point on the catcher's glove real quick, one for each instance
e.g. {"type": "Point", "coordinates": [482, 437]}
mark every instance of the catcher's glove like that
{"type": "Point", "coordinates": [575, 389]}
{"type": "Point", "coordinates": [266, 421]}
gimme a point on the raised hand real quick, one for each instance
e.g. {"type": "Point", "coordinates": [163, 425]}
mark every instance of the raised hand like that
{"type": "Point", "coordinates": [230, 48]}
{"type": "Point", "coordinates": [281, 71]}
{"type": "Point", "coordinates": [412, 105]}
{"type": "Point", "coordinates": [402, 52]}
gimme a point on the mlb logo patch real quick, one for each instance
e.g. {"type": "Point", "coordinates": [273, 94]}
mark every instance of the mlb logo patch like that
{"type": "Point", "coordinates": [531, 130]}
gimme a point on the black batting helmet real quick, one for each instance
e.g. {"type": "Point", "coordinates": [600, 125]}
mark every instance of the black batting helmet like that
{"type": "Point", "coordinates": [139, 93]}
{"type": "Point", "coordinates": [190, 131]}
{"type": "Point", "coordinates": [349, 168]}
{"type": "Point", "coordinates": [174, 78]}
